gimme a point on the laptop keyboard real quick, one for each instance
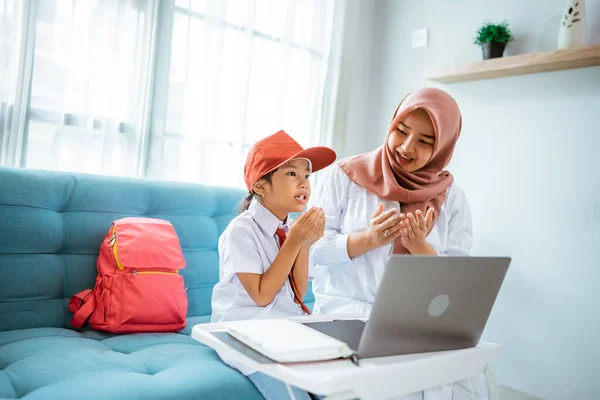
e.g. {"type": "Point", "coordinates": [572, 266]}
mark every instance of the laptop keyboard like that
{"type": "Point", "coordinates": [348, 331]}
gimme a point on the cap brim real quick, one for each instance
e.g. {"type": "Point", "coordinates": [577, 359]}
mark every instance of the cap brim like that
{"type": "Point", "coordinates": [319, 156]}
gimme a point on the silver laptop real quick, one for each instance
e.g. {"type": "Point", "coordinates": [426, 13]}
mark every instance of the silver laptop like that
{"type": "Point", "coordinates": [425, 304]}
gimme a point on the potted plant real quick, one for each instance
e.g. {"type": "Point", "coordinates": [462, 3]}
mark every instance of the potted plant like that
{"type": "Point", "coordinates": [493, 39]}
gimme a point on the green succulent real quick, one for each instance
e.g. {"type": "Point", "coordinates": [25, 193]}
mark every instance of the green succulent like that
{"type": "Point", "coordinates": [490, 32]}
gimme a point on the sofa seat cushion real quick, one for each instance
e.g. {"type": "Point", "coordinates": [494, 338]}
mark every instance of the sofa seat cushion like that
{"type": "Point", "coordinates": [57, 363]}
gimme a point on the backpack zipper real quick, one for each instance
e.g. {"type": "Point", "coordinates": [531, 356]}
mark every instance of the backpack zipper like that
{"type": "Point", "coordinates": [135, 272]}
{"type": "Point", "coordinates": [112, 243]}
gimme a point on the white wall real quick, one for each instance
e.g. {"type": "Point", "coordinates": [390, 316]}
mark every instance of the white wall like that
{"type": "Point", "coordinates": [527, 159]}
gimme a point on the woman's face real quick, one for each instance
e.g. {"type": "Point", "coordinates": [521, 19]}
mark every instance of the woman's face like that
{"type": "Point", "coordinates": [412, 141]}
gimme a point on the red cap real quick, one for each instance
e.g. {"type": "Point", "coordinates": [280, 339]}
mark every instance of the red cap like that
{"type": "Point", "coordinates": [273, 151]}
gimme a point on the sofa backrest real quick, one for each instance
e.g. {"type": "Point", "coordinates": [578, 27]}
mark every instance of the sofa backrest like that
{"type": "Point", "coordinates": [52, 224]}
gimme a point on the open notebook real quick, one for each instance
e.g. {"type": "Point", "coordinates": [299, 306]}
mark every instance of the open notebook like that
{"type": "Point", "coordinates": [283, 340]}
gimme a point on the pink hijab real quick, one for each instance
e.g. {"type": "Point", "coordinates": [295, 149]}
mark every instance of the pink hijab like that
{"type": "Point", "coordinates": [380, 174]}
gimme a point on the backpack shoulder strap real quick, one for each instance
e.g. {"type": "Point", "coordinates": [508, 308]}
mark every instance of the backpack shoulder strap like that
{"type": "Point", "coordinates": [82, 305]}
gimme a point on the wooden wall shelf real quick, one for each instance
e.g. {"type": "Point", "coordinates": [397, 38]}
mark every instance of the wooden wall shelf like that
{"type": "Point", "coordinates": [580, 57]}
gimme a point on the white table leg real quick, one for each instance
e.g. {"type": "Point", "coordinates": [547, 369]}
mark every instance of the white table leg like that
{"type": "Point", "coordinates": [492, 385]}
{"type": "Point", "coordinates": [290, 391]}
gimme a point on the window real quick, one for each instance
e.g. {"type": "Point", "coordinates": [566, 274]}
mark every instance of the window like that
{"type": "Point", "coordinates": [176, 89]}
{"type": "Point", "coordinates": [87, 86]}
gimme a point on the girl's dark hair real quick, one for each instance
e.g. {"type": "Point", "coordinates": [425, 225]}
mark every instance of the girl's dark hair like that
{"type": "Point", "coordinates": [246, 202]}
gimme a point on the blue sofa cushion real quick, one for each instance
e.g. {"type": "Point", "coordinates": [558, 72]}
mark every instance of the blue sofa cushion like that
{"type": "Point", "coordinates": [58, 363]}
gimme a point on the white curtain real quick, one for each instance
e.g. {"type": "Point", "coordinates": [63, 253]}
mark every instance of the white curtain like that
{"type": "Point", "coordinates": [240, 70]}
{"type": "Point", "coordinates": [88, 79]}
{"type": "Point", "coordinates": [338, 84]}
{"type": "Point", "coordinates": [12, 14]}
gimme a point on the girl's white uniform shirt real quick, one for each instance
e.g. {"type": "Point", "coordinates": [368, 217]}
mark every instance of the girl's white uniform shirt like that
{"type": "Point", "coordinates": [249, 244]}
{"type": "Point", "coordinates": [344, 285]}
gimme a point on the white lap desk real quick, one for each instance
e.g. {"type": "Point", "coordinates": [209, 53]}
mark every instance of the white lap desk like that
{"type": "Point", "coordinates": [374, 378]}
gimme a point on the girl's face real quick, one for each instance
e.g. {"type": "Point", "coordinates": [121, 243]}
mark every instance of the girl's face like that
{"type": "Point", "coordinates": [289, 189]}
{"type": "Point", "coordinates": [412, 141]}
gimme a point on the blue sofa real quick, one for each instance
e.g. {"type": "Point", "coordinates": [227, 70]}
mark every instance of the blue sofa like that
{"type": "Point", "coordinates": [51, 227]}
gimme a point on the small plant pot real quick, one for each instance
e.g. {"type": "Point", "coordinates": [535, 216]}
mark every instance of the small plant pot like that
{"type": "Point", "coordinates": [492, 50]}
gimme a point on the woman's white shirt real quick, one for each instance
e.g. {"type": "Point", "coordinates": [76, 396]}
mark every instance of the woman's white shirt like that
{"type": "Point", "coordinates": [342, 284]}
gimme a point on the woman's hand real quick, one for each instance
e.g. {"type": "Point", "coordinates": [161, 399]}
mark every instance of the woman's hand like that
{"type": "Point", "coordinates": [384, 227]}
{"type": "Point", "coordinates": [413, 232]}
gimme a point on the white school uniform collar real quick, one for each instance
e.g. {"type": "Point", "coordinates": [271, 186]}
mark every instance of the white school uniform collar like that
{"type": "Point", "coordinates": [265, 219]}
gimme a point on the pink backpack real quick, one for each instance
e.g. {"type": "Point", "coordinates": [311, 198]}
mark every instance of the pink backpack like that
{"type": "Point", "coordinates": [138, 287]}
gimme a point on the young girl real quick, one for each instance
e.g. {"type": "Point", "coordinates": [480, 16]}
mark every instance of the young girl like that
{"type": "Point", "coordinates": [264, 262]}
{"type": "Point", "coordinates": [263, 271]}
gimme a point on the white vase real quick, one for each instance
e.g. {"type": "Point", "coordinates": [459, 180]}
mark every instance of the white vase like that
{"type": "Point", "coordinates": [572, 31]}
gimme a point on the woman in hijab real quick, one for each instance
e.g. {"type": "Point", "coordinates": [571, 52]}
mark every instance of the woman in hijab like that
{"type": "Point", "coordinates": [397, 199]}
